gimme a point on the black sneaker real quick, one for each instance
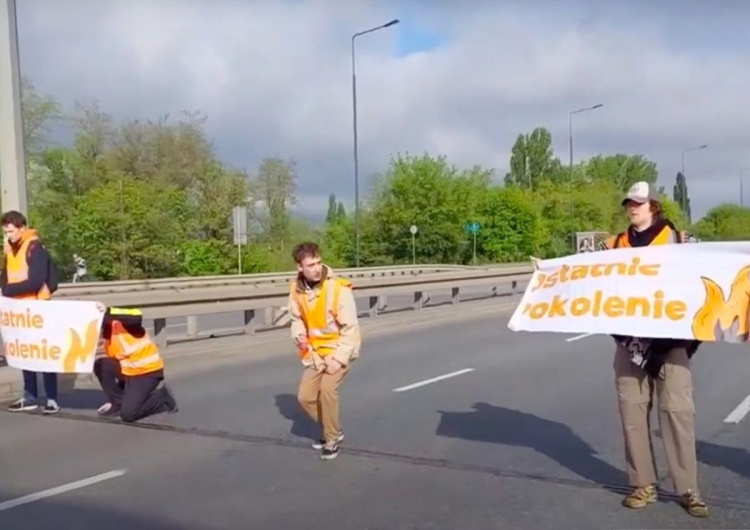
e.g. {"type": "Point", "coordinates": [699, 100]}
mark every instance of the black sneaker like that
{"type": "Point", "coordinates": [170, 401]}
{"type": "Point", "coordinates": [329, 453]}
{"type": "Point", "coordinates": [319, 444]}
{"type": "Point", "coordinates": [51, 407]}
{"type": "Point", "coordinates": [23, 405]}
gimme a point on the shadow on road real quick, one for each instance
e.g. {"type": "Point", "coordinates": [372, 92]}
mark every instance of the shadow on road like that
{"type": "Point", "coordinates": [60, 515]}
{"type": "Point", "coordinates": [733, 459]}
{"type": "Point", "coordinates": [82, 399]}
{"type": "Point", "coordinates": [500, 425]}
{"type": "Point", "coordinates": [302, 425]}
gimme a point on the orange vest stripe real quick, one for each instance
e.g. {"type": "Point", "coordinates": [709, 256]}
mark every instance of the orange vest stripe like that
{"type": "Point", "coordinates": [320, 318]}
{"type": "Point", "coordinates": [137, 356]}
{"type": "Point", "coordinates": [17, 269]}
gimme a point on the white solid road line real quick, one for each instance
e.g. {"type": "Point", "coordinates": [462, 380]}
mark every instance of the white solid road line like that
{"type": "Point", "coordinates": [7, 505]}
{"type": "Point", "coordinates": [579, 337]}
{"type": "Point", "coordinates": [739, 412]}
{"type": "Point", "coordinates": [433, 380]}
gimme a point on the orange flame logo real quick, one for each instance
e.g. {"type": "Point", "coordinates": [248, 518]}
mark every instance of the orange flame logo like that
{"type": "Point", "coordinates": [81, 348]}
{"type": "Point", "coordinates": [721, 319]}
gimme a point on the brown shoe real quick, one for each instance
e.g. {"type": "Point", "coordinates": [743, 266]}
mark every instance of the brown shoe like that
{"type": "Point", "coordinates": [692, 502]}
{"type": "Point", "coordinates": [641, 497]}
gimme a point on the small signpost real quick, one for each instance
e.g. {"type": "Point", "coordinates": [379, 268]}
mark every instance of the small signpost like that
{"type": "Point", "coordinates": [239, 229]}
{"type": "Point", "coordinates": [413, 230]}
{"type": "Point", "coordinates": [473, 227]}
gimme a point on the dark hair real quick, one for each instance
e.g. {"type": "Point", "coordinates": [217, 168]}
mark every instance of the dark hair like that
{"type": "Point", "coordinates": [305, 250]}
{"type": "Point", "coordinates": [14, 218]}
{"type": "Point", "coordinates": [656, 210]}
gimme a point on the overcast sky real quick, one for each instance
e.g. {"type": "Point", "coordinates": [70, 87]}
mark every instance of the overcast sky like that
{"type": "Point", "coordinates": [274, 78]}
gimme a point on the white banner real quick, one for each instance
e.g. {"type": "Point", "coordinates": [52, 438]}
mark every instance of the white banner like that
{"type": "Point", "coordinates": [682, 291]}
{"type": "Point", "coordinates": [50, 335]}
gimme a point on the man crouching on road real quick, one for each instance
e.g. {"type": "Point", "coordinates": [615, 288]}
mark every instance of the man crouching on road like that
{"type": "Point", "coordinates": [325, 329]}
{"type": "Point", "coordinates": [131, 371]}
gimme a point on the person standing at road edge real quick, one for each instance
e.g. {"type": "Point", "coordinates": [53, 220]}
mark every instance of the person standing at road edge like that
{"type": "Point", "coordinates": [325, 329]}
{"type": "Point", "coordinates": [27, 275]}
{"type": "Point", "coordinates": [643, 365]}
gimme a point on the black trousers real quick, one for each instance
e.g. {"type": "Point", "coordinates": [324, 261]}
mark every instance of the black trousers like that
{"type": "Point", "coordinates": [137, 396]}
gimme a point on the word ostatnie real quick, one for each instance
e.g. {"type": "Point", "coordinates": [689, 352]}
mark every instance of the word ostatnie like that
{"type": "Point", "coordinates": [609, 306]}
{"type": "Point", "coordinates": [568, 273]}
{"type": "Point", "coordinates": [21, 319]}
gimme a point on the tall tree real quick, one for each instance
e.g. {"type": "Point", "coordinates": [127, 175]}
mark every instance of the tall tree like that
{"type": "Point", "coordinates": [532, 160]}
{"type": "Point", "coordinates": [680, 195]}
{"type": "Point", "coordinates": [622, 170]}
{"type": "Point", "coordinates": [275, 188]}
{"type": "Point", "coordinates": [336, 212]}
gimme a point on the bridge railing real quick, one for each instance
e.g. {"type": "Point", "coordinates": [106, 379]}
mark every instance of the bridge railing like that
{"type": "Point", "coordinates": [197, 282]}
{"type": "Point", "coordinates": [264, 307]}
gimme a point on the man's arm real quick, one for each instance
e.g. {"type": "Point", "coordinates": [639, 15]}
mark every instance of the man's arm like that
{"type": "Point", "coordinates": [38, 267]}
{"type": "Point", "coordinates": [349, 334]}
{"type": "Point", "coordinates": [4, 276]}
{"type": "Point", "coordinates": [298, 327]}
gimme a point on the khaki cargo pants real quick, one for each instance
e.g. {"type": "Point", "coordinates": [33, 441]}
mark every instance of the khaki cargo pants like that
{"type": "Point", "coordinates": [674, 393]}
{"type": "Point", "coordinates": [318, 395]}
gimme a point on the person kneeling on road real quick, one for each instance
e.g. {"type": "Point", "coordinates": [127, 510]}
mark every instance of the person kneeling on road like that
{"type": "Point", "coordinates": [131, 372]}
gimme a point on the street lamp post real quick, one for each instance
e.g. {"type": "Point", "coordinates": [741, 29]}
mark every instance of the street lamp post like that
{"type": "Point", "coordinates": [356, 154]}
{"type": "Point", "coordinates": [12, 156]}
{"type": "Point", "coordinates": [688, 150]}
{"type": "Point", "coordinates": [570, 160]}
{"type": "Point", "coordinates": [742, 185]}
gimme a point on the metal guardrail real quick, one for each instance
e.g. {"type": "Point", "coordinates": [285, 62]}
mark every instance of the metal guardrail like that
{"type": "Point", "coordinates": [193, 282]}
{"type": "Point", "coordinates": [271, 300]}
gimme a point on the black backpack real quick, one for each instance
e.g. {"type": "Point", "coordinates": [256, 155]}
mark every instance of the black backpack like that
{"type": "Point", "coordinates": [53, 274]}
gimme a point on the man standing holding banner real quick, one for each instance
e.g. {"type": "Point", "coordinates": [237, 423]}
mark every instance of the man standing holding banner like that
{"type": "Point", "coordinates": [26, 275]}
{"type": "Point", "coordinates": [642, 364]}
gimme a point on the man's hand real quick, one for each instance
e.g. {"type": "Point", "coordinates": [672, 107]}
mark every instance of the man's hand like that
{"type": "Point", "coordinates": [332, 365]}
{"type": "Point", "coordinates": [301, 341]}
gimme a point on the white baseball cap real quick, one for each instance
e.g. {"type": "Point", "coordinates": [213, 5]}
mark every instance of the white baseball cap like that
{"type": "Point", "coordinates": [641, 192]}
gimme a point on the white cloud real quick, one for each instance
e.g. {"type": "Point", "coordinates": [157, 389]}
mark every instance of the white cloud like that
{"type": "Point", "coordinates": [274, 79]}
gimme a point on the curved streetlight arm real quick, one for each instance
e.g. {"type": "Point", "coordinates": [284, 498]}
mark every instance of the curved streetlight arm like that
{"type": "Point", "coordinates": [354, 119]}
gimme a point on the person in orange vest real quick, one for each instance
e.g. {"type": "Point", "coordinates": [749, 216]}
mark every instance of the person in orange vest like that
{"type": "Point", "coordinates": [325, 330]}
{"type": "Point", "coordinates": [131, 371]}
{"type": "Point", "coordinates": [26, 275]}
{"type": "Point", "coordinates": [643, 365]}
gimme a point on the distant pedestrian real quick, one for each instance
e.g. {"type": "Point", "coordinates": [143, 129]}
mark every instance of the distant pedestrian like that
{"type": "Point", "coordinates": [80, 265]}
{"type": "Point", "coordinates": [325, 329]}
{"type": "Point", "coordinates": [643, 365]}
{"type": "Point", "coordinates": [28, 274]}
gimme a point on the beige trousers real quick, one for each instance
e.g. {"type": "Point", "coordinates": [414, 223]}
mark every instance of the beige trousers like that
{"type": "Point", "coordinates": [674, 393]}
{"type": "Point", "coordinates": [318, 395]}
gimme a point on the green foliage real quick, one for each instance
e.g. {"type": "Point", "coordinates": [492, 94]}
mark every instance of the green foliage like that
{"type": "Point", "coordinates": [726, 222]}
{"type": "Point", "coordinates": [146, 199]}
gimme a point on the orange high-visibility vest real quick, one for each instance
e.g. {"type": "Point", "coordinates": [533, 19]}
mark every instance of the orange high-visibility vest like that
{"type": "Point", "coordinates": [665, 237]}
{"type": "Point", "coordinates": [17, 269]}
{"type": "Point", "coordinates": [137, 356]}
{"type": "Point", "coordinates": [323, 330]}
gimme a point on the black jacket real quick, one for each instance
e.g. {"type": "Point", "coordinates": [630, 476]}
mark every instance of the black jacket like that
{"type": "Point", "coordinates": [38, 262]}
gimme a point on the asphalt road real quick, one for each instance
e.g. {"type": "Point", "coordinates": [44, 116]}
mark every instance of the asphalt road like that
{"type": "Point", "coordinates": [528, 439]}
{"type": "Point", "coordinates": [224, 322]}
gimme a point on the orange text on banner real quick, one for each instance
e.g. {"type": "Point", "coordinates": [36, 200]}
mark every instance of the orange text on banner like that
{"type": "Point", "coordinates": [27, 320]}
{"type": "Point", "coordinates": [568, 273]}
{"type": "Point", "coordinates": [609, 306]}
